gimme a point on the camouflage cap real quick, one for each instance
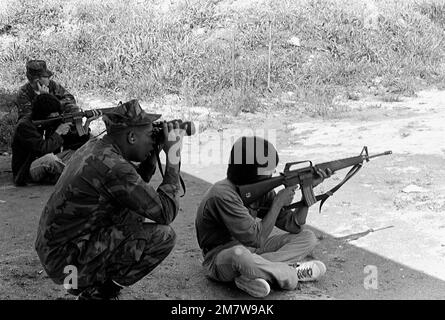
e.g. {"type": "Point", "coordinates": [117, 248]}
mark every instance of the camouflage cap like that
{"type": "Point", "coordinates": [128, 114]}
{"type": "Point", "coordinates": [37, 68]}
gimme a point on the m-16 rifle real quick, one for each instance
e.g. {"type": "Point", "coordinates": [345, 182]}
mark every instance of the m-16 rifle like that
{"type": "Point", "coordinates": [75, 118]}
{"type": "Point", "coordinates": [304, 177]}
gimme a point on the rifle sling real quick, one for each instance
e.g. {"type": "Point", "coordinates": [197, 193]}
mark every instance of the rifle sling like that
{"type": "Point", "coordinates": [348, 176]}
{"type": "Point", "coordinates": [162, 173]}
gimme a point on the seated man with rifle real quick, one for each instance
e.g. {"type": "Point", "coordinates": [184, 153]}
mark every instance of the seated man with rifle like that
{"type": "Point", "coordinates": [237, 246]}
{"type": "Point", "coordinates": [39, 155]}
{"type": "Point", "coordinates": [94, 222]}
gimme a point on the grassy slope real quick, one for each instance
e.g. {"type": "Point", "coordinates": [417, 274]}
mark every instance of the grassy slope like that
{"type": "Point", "coordinates": [145, 49]}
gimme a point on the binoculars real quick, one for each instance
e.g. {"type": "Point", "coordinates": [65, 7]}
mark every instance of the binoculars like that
{"type": "Point", "coordinates": [158, 134]}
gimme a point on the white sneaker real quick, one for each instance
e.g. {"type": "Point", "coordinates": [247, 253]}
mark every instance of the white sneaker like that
{"type": "Point", "coordinates": [258, 288]}
{"type": "Point", "coordinates": [310, 270]}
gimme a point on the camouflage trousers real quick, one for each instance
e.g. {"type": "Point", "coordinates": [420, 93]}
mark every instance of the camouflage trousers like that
{"type": "Point", "coordinates": [124, 253]}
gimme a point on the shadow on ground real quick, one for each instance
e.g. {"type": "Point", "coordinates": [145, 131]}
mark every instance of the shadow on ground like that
{"type": "Point", "coordinates": [180, 276]}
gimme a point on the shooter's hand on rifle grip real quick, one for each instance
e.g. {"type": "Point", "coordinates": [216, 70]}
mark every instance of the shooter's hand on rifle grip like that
{"type": "Point", "coordinates": [321, 175]}
{"type": "Point", "coordinates": [284, 197]}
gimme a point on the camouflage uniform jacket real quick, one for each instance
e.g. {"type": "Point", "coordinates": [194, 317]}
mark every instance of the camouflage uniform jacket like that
{"type": "Point", "coordinates": [26, 94]}
{"type": "Point", "coordinates": [81, 222]}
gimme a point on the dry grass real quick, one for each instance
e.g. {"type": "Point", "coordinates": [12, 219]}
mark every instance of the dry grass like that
{"type": "Point", "coordinates": [146, 49]}
{"type": "Point", "coordinates": [8, 119]}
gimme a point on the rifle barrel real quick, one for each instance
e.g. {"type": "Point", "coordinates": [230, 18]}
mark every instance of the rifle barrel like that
{"type": "Point", "coordinates": [336, 165]}
{"type": "Point", "coordinates": [89, 113]}
{"type": "Point", "coordinates": [380, 154]}
{"type": "Point", "coordinates": [68, 116]}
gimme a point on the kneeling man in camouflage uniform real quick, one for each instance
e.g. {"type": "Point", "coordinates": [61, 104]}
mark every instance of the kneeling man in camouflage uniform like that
{"type": "Point", "coordinates": [95, 219]}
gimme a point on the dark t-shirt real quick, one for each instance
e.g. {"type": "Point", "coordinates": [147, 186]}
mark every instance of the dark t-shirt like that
{"type": "Point", "coordinates": [29, 143]}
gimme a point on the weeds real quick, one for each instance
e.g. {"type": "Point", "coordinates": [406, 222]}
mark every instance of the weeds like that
{"type": "Point", "coordinates": [146, 49]}
{"type": "Point", "coordinates": [8, 119]}
{"type": "Point", "coordinates": [391, 98]}
{"type": "Point", "coordinates": [435, 11]}
{"type": "Point", "coordinates": [7, 125]}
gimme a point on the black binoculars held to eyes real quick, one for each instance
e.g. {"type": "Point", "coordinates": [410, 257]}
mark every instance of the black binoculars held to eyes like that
{"type": "Point", "coordinates": [158, 135]}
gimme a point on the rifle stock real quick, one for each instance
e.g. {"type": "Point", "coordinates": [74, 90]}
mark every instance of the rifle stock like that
{"type": "Point", "coordinates": [251, 192]}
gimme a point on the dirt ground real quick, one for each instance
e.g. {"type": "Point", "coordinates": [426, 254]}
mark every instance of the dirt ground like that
{"type": "Point", "coordinates": [401, 196]}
